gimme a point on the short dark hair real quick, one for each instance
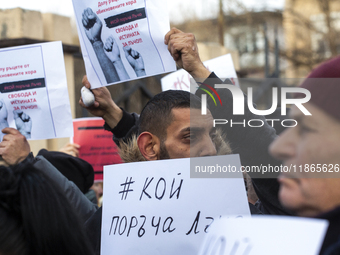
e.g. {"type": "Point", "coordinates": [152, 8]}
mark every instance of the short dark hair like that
{"type": "Point", "coordinates": [156, 116]}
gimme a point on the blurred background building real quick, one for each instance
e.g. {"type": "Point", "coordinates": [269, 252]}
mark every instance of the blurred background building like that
{"type": "Point", "coordinates": [311, 34]}
{"type": "Point", "coordinates": [244, 34]}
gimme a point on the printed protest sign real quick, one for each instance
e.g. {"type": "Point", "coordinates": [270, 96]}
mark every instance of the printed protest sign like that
{"type": "Point", "coordinates": [265, 235]}
{"type": "Point", "coordinates": [123, 39]}
{"type": "Point", "coordinates": [33, 90]}
{"type": "Point", "coordinates": [96, 144]}
{"type": "Point", "coordinates": [222, 66]}
{"type": "Point", "coordinates": [156, 208]}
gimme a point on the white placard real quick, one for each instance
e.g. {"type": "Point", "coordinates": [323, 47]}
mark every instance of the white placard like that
{"type": "Point", "coordinates": [265, 235]}
{"type": "Point", "coordinates": [222, 66]}
{"type": "Point", "coordinates": [34, 95]}
{"type": "Point", "coordinates": [123, 40]}
{"type": "Point", "coordinates": [156, 208]}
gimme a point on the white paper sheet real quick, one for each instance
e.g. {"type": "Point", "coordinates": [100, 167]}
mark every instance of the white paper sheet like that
{"type": "Point", "coordinates": [265, 235]}
{"type": "Point", "coordinates": [161, 193]}
{"type": "Point", "coordinates": [34, 95]}
{"type": "Point", "coordinates": [180, 80]}
{"type": "Point", "coordinates": [118, 35]}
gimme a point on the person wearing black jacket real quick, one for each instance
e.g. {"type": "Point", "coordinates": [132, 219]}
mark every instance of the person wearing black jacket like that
{"type": "Point", "coordinates": [123, 125]}
{"type": "Point", "coordinates": [252, 144]}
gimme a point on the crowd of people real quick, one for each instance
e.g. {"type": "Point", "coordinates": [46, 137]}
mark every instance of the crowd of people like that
{"type": "Point", "coordinates": [42, 212]}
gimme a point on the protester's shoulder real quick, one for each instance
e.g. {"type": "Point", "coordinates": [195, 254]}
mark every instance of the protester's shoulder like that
{"type": "Point", "coordinates": [73, 168]}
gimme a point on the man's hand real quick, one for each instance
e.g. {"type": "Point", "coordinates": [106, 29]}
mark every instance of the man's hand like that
{"type": "Point", "coordinates": [92, 25]}
{"type": "Point", "coordinates": [183, 49]}
{"type": "Point", "coordinates": [71, 149]}
{"type": "Point", "coordinates": [111, 49]}
{"type": "Point", "coordinates": [23, 123]}
{"type": "Point", "coordinates": [135, 60]}
{"type": "Point", "coordinates": [103, 106]}
{"type": "Point", "coordinates": [14, 147]}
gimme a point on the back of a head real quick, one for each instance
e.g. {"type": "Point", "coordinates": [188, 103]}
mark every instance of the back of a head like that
{"type": "Point", "coordinates": [75, 169]}
{"type": "Point", "coordinates": [156, 115]}
{"type": "Point", "coordinates": [12, 237]}
{"type": "Point", "coordinates": [35, 216]}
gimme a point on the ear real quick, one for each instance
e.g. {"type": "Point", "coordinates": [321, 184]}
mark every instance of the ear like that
{"type": "Point", "coordinates": [149, 145]}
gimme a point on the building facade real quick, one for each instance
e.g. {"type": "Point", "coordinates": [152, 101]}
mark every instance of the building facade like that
{"type": "Point", "coordinates": [312, 34]}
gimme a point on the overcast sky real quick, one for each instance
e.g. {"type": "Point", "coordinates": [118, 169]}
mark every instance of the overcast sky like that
{"type": "Point", "coordinates": [178, 9]}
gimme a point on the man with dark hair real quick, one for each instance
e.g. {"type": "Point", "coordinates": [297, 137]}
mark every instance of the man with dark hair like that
{"type": "Point", "coordinates": [156, 114]}
{"type": "Point", "coordinates": [171, 120]}
{"type": "Point", "coordinates": [170, 126]}
{"type": "Point", "coordinates": [251, 143]}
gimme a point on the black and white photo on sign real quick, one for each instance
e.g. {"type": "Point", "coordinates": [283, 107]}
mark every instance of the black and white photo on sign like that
{"type": "Point", "coordinates": [33, 88]}
{"type": "Point", "coordinates": [122, 40]}
{"type": "Point", "coordinates": [114, 71]}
